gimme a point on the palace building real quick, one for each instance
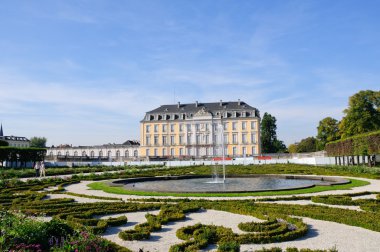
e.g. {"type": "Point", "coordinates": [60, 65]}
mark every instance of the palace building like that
{"type": "Point", "coordinates": [179, 132]}
{"type": "Point", "coordinates": [199, 130]}
{"type": "Point", "coordinates": [14, 141]}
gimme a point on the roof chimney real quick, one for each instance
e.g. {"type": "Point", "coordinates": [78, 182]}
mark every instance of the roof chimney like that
{"type": "Point", "coordinates": [196, 104]}
{"type": "Point", "coordinates": [239, 102]}
{"type": "Point", "coordinates": [179, 105]}
{"type": "Point", "coordinates": [220, 103]}
{"type": "Point", "coordinates": [1, 130]}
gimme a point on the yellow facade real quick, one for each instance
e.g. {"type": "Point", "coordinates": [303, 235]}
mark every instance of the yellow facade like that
{"type": "Point", "coordinates": [196, 135]}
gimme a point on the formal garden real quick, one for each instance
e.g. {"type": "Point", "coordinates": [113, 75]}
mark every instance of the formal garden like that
{"type": "Point", "coordinates": [83, 212]}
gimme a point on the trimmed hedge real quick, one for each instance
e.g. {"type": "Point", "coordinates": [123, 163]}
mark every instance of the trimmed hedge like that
{"type": "Point", "coordinates": [199, 236]}
{"type": "Point", "coordinates": [363, 144]}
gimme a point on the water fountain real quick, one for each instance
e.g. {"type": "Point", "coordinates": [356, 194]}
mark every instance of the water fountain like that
{"type": "Point", "coordinates": [218, 151]}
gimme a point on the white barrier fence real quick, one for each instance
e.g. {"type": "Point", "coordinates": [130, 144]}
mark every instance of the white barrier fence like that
{"type": "Point", "coordinates": [236, 161]}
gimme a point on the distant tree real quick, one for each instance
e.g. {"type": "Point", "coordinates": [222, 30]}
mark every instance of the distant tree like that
{"type": "Point", "coordinates": [292, 148]}
{"type": "Point", "coordinates": [38, 142]}
{"type": "Point", "coordinates": [4, 143]}
{"type": "Point", "coordinates": [280, 146]}
{"type": "Point", "coordinates": [362, 114]}
{"type": "Point", "coordinates": [269, 141]}
{"type": "Point", "coordinates": [307, 145]}
{"type": "Point", "coordinates": [328, 131]}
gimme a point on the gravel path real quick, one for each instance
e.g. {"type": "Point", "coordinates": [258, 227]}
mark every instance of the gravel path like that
{"type": "Point", "coordinates": [322, 234]}
{"type": "Point", "coordinates": [162, 240]}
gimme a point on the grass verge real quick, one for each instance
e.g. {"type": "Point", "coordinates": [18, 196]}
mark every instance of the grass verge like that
{"type": "Point", "coordinates": [120, 190]}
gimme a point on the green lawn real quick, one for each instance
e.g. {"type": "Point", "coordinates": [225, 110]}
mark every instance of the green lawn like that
{"type": "Point", "coordinates": [120, 190]}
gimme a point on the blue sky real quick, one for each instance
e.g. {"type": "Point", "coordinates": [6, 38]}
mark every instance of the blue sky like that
{"type": "Point", "coordinates": [85, 72]}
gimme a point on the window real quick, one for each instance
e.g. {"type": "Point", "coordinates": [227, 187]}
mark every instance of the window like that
{"type": "Point", "coordinates": [135, 153]}
{"type": "Point", "coordinates": [155, 140]}
{"type": "Point", "coordinates": [225, 138]}
{"type": "Point", "coordinates": [225, 151]}
{"type": "Point", "coordinates": [225, 126]}
{"type": "Point", "coordinates": [253, 138]}
{"type": "Point", "coordinates": [197, 139]}
{"type": "Point", "coordinates": [181, 151]}
{"type": "Point", "coordinates": [172, 140]}
{"type": "Point", "coordinates": [126, 153]}
{"type": "Point", "coordinates": [234, 151]}
{"type": "Point", "coordinates": [147, 152]}
{"type": "Point", "coordinates": [147, 129]}
{"type": "Point", "coordinates": [181, 127]}
{"type": "Point", "coordinates": [244, 151]}
{"type": "Point", "coordinates": [180, 139]}
{"type": "Point", "coordinates": [244, 138]}
{"type": "Point", "coordinates": [197, 126]}
{"type": "Point", "coordinates": [171, 127]}
{"type": "Point", "coordinates": [207, 140]}
{"type": "Point", "coordinates": [164, 127]}
{"type": "Point", "coordinates": [67, 153]}
{"type": "Point", "coordinates": [156, 128]}
{"type": "Point", "coordinates": [92, 154]}
{"type": "Point", "coordinates": [84, 153]}
{"type": "Point", "coordinates": [253, 125]}
{"type": "Point", "coordinates": [215, 126]}
{"type": "Point", "coordinates": [234, 138]}
{"type": "Point", "coordinates": [155, 152]}
{"type": "Point", "coordinates": [254, 150]}
{"type": "Point", "coordinates": [59, 153]}
{"type": "Point", "coordinates": [109, 154]}
{"type": "Point", "coordinates": [172, 152]}
{"type": "Point", "coordinates": [189, 151]}
{"type": "Point", "coordinates": [234, 125]}
{"type": "Point", "coordinates": [100, 153]}
{"type": "Point", "coordinates": [188, 141]}
{"type": "Point", "coordinates": [117, 154]}
{"type": "Point", "coordinates": [164, 152]}
{"type": "Point", "coordinates": [188, 126]}
{"type": "Point", "coordinates": [51, 154]}
{"type": "Point", "coordinates": [244, 125]}
{"type": "Point", "coordinates": [147, 140]}
{"type": "Point", "coordinates": [164, 140]}
{"type": "Point", "coordinates": [76, 153]}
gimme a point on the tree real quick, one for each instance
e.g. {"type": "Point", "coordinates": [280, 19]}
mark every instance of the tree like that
{"type": "Point", "coordinates": [307, 145]}
{"type": "Point", "coordinates": [362, 114]}
{"type": "Point", "coordinates": [269, 141]}
{"type": "Point", "coordinates": [4, 143]}
{"type": "Point", "coordinates": [328, 131]}
{"type": "Point", "coordinates": [38, 142]}
{"type": "Point", "coordinates": [292, 148]}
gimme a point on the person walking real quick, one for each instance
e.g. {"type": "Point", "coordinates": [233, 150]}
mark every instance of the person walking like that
{"type": "Point", "coordinates": [37, 168]}
{"type": "Point", "coordinates": [42, 169]}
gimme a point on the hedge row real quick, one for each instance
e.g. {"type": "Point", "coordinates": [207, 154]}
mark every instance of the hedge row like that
{"type": "Point", "coordinates": [154, 223]}
{"type": "Point", "coordinates": [363, 144]}
{"type": "Point", "coordinates": [14, 154]}
{"type": "Point", "coordinates": [200, 236]}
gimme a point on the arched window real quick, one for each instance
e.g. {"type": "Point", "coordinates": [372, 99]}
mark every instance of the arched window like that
{"type": "Point", "coordinates": [100, 153]}
{"type": "Point", "coordinates": [126, 153]}
{"type": "Point", "coordinates": [59, 153]}
{"type": "Point", "coordinates": [92, 154]}
{"type": "Point", "coordinates": [109, 154]}
{"type": "Point", "coordinates": [67, 153]}
{"type": "Point", "coordinates": [84, 153]}
{"type": "Point", "coordinates": [51, 154]}
{"type": "Point", "coordinates": [117, 154]}
{"type": "Point", "coordinates": [135, 153]}
{"type": "Point", "coordinates": [75, 153]}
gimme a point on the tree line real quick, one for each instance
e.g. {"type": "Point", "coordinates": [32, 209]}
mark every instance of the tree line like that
{"type": "Point", "coordinates": [361, 116]}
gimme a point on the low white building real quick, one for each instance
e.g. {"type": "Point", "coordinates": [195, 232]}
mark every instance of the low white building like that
{"type": "Point", "coordinates": [127, 151]}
